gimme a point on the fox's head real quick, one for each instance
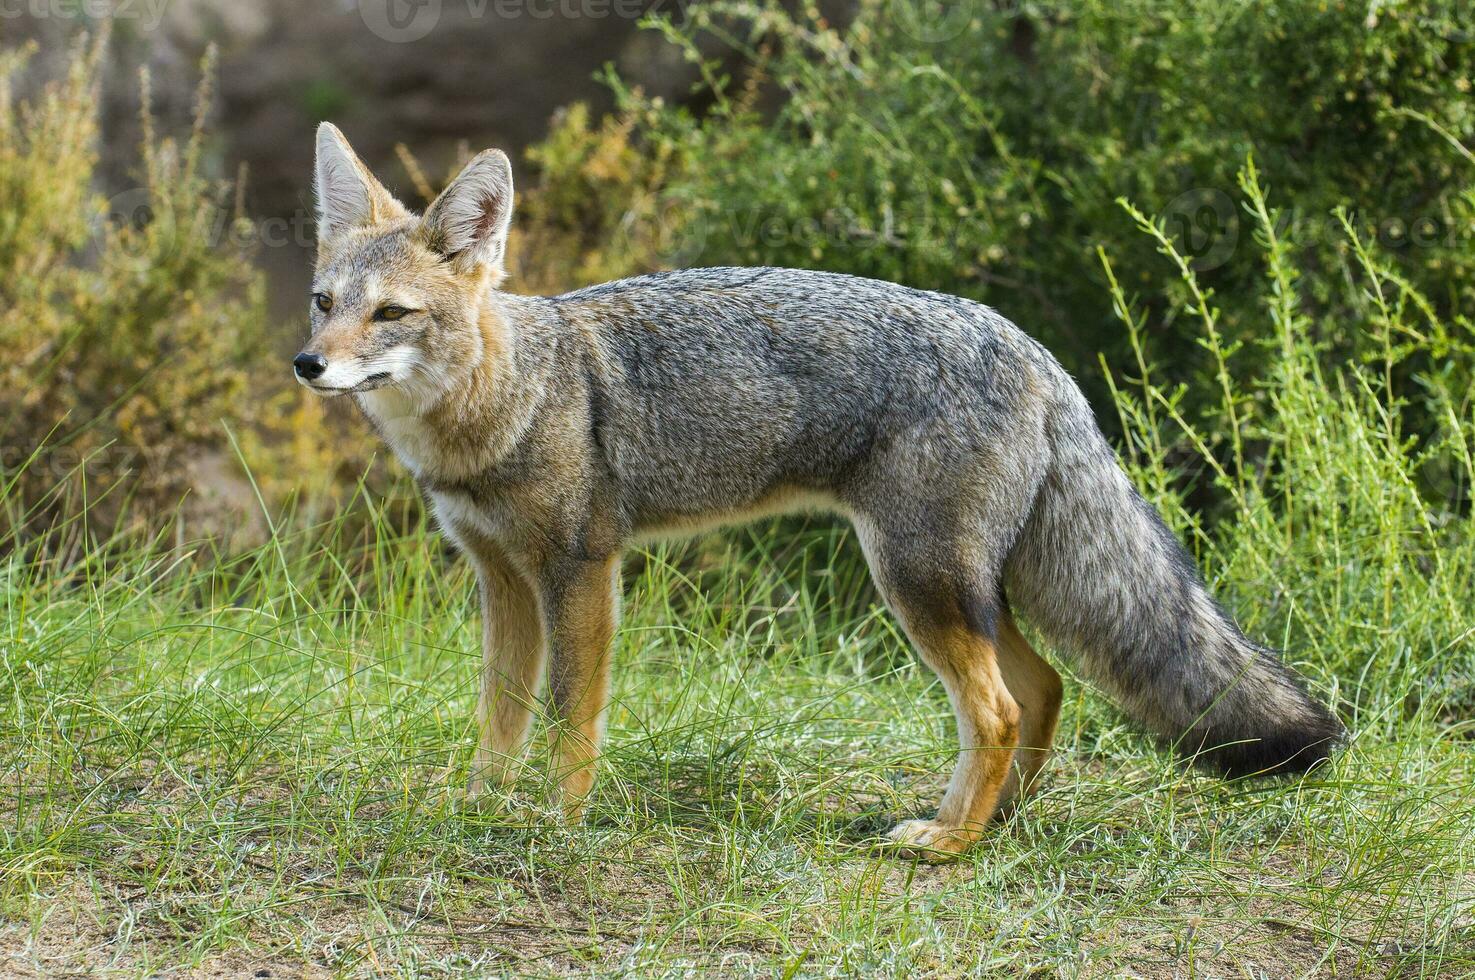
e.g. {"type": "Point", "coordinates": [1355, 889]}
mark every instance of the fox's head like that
{"type": "Point", "coordinates": [396, 297]}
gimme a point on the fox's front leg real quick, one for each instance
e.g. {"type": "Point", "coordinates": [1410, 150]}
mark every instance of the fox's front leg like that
{"type": "Point", "coordinates": [513, 654]}
{"type": "Point", "coordinates": [581, 604]}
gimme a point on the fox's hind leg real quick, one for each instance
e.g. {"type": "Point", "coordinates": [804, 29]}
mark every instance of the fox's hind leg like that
{"type": "Point", "coordinates": [1036, 686]}
{"type": "Point", "coordinates": [948, 605]}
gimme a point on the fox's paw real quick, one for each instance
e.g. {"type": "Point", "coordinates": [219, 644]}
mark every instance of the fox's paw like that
{"type": "Point", "coordinates": [476, 790]}
{"type": "Point", "coordinates": [484, 799]}
{"type": "Point", "coordinates": [928, 840]}
{"type": "Point", "coordinates": [503, 809]}
{"type": "Point", "coordinates": [573, 796]}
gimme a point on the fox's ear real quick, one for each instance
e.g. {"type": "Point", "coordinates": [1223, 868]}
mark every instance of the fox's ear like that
{"type": "Point", "coordinates": [348, 195]}
{"type": "Point", "coordinates": [468, 223]}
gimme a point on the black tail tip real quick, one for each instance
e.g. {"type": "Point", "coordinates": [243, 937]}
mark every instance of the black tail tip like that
{"type": "Point", "coordinates": [1290, 752]}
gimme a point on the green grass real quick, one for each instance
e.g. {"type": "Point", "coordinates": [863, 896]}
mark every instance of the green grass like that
{"type": "Point", "coordinates": [260, 762]}
{"type": "Point", "coordinates": [235, 763]}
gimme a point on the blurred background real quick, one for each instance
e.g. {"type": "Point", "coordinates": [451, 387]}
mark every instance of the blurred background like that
{"type": "Point", "coordinates": [159, 239]}
{"type": "Point", "coordinates": [239, 661]}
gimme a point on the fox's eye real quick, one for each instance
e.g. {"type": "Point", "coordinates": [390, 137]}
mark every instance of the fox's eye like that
{"type": "Point", "coordinates": [391, 313]}
{"type": "Point", "coordinates": [323, 301]}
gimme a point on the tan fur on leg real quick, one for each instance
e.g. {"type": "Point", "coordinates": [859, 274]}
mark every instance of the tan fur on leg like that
{"type": "Point", "coordinates": [583, 625]}
{"type": "Point", "coordinates": [988, 731]}
{"type": "Point", "coordinates": [513, 654]}
{"type": "Point", "coordinates": [1036, 686]}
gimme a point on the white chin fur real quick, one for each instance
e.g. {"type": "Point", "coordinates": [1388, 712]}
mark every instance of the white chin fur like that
{"type": "Point", "coordinates": [312, 386]}
{"type": "Point", "coordinates": [398, 362]}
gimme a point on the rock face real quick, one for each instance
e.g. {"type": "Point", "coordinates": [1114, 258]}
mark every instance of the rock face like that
{"type": "Point", "coordinates": [430, 73]}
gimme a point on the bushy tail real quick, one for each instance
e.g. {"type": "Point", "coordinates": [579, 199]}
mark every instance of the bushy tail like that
{"type": "Point", "coordinates": [1097, 571]}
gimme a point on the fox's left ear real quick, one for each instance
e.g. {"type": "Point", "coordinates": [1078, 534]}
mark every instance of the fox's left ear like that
{"type": "Point", "coordinates": [468, 223]}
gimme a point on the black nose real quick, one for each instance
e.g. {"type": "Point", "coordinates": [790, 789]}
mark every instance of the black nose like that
{"type": "Point", "coordinates": [310, 366]}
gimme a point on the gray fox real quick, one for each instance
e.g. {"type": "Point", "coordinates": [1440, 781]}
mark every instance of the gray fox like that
{"type": "Point", "coordinates": [548, 433]}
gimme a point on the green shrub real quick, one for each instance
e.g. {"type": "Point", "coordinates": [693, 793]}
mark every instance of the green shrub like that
{"type": "Point", "coordinates": [1331, 543]}
{"type": "Point", "coordinates": [132, 325]}
{"type": "Point", "coordinates": [597, 210]}
{"type": "Point", "coordinates": [981, 151]}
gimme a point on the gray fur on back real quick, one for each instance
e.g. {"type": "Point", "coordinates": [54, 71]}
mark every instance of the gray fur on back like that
{"type": "Point", "coordinates": [720, 387]}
